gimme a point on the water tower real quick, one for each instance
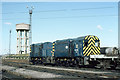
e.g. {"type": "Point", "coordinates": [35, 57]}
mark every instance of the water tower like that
{"type": "Point", "coordinates": [23, 38]}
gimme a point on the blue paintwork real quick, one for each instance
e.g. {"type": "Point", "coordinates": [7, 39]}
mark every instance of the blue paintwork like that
{"type": "Point", "coordinates": [63, 48]}
{"type": "Point", "coordinates": [78, 51]}
{"type": "Point", "coordinates": [61, 51]}
{"type": "Point", "coordinates": [36, 50]}
{"type": "Point", "coordinates": [41, 49]}
{"type": "Point", "coordinates": [47, 48]}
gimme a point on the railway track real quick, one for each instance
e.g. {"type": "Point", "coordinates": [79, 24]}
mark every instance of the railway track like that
{"type": "Point", "coordinates": [70, 72]}
{"type": "Point", "coordinates": [18, 62]}
{"type": "Point", "coordinates": [9, 76]}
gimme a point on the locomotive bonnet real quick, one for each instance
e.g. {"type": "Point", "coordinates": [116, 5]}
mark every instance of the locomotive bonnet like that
{"type": "Point", "coordinates": [81, 46]}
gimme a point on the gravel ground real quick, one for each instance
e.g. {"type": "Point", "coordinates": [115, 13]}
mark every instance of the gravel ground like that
{"type": "Point", "coordinates": [30, 73]}
{"type": "Point", "coordinates": [40, 71]}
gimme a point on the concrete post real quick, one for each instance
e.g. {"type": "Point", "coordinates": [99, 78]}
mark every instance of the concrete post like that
{"type": "Point", "coordinates": [28, 47]}
{"type": "Point", "coordinates": [25, 42]}
{"type": "Point", "coordinates": [17, 42]}
{"type": "Point", "coordinates": [20, 42]}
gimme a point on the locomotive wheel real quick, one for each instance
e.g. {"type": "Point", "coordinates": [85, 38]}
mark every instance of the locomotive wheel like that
{"type": "Point", "coordinates": [67, 64]}
{"type": "Point", "coordinates": [72, 64]}
{"type": "Point", "coordinates": [104, 64]}
{"type": "Point", "coordinates": [92, 66]}
{"type": "Point", "coordinates": [57, 63]}
{"type": "Point", "coordinates": [33, 63]}
{"type": "Point", "coordinates": [113, 67]}
{"type": "Point", "coordinates": [44, 64]}
{"type": "Point", "coordinates": [64, 63]}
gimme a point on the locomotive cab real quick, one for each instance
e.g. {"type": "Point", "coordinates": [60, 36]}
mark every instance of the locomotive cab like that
{"type": "Point", "coordinates": [84, 47]}
{"type": "Point", "coordinates": [91, 46]}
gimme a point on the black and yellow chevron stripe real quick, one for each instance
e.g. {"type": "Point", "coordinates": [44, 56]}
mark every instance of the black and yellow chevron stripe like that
{"type": "Point", "coordinates": [91, 49]}
{"type": "Point", "coordinates": [53, 49]}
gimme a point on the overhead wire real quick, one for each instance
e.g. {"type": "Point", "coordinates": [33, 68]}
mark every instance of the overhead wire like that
{"type": "Point", "coordinates": [62, 17]}
{"type": "Point", "coordinates": [15, 3]}
{"type": "Point", "coordinates": [60, 10]}
{"type": "Point", "coordinates": [35, 11]}
{"type": "Point", "coordinates": [93, 8]}
{"type": "Point", "coordinates": [78, 16]}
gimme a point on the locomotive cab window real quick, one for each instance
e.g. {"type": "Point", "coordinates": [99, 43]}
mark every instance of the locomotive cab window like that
{"type": "Point", "coordinates": [86, 43]}
{"type": "Point", "coordinates": [96, 44]}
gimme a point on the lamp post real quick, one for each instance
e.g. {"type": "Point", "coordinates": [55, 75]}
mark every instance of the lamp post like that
{"type": "Point", "coordinates": [10, 42]}
{"type": "Point", "coordinates": [30, 25]}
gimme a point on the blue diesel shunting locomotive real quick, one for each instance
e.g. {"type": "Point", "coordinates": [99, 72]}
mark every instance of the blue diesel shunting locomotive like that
{"type": "Point", "coordinates": [71, 51]}
{"type": "Point", "coordinates": [41, 52]}
{"type": "Point", "coordinates": [78, 51]}
{"type": "Point", "coordinates": [78, 47]}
